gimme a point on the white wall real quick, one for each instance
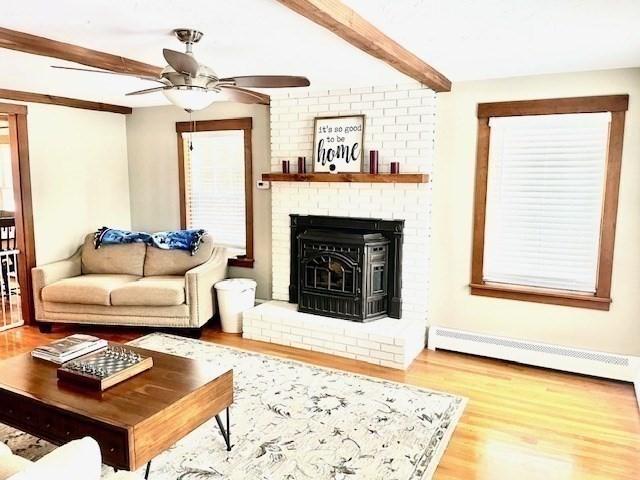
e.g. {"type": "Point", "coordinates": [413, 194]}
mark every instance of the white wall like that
{"type": "Point", "coordinates": [617, 330]}
{"type": "Point", "coordinates": [400, 123]}
{"type": "Point", "coordinates": [153, 173]}
{"type": "Point", "coordinates": [79, 176]}
{"type": "Point", "coordinates": [6, 177]}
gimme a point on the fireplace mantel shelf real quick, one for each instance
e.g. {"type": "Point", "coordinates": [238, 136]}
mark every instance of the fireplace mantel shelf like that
{"type": "Point", "coordinates": [347, 177]}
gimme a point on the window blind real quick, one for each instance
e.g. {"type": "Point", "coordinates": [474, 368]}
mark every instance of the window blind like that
{"type": "Point", "coordinates": [545, 192]}
{"type": "Point", "coordinates": [215, 185]}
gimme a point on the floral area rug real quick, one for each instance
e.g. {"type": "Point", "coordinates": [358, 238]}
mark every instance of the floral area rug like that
{"type": "Point", "coordinates": [294, 421]}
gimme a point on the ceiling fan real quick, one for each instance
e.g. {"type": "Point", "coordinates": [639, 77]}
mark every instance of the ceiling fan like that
{"type": "Point", "coordinates": [193, 86]}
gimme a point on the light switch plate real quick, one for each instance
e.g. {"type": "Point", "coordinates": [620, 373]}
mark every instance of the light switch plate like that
{"type": "Point", "coordinates": [263, 185]}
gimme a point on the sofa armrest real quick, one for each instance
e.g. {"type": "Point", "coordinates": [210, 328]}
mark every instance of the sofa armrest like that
{"type": "Point", "coordinates": [52, 272]}
{"type": "Point", "coordinates": [199, 283]}
{"type": "Point", "coordinates": [47, 274]}
{"type": "Point", "coordinates": [76, 460]}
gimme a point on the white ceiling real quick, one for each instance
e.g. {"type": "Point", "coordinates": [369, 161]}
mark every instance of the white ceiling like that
{"type": "Point", "coordinates": [464, 39]}
{"type": "Point", "coordinates": [479, 39]}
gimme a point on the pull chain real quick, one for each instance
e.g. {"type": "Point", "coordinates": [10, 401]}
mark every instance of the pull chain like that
{"type": "Point", "coordinates": [193, 128]}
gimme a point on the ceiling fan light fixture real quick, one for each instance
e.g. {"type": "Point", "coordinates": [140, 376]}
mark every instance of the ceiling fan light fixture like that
{"type": "Point", "coordinates": [189, 97]}
{"type": "Point", "coordinates": [193, 86]}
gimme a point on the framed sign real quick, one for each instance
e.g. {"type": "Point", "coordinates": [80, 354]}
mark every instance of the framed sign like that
{"type": "Point", "coordinates": [337, 144]}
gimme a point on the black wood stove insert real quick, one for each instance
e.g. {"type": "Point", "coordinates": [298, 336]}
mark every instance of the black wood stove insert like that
{"type": "Point", "coordinates": [346, 267]}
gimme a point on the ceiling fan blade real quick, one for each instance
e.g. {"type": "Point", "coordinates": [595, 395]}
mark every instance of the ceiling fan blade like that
{"type": "Point", "coordinates": [90, 70]}
{"type": "Point", "coordinates": [181, 62]}
{"type": "Point", "coordinates": [147, 90]}
{"type": "Point", "coordinates": [240, 95]}
{"type": "Point", "coordinates": [268, 81]}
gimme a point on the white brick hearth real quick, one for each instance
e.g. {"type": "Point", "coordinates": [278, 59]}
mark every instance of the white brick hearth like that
{"type": "Point", "coordinates": [400, 123]}
{"type": "Point", "coordinates": [388, 342]}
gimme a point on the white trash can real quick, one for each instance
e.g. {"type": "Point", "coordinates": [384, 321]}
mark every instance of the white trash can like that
{"type": "Point", "coordinates": [235, 295]}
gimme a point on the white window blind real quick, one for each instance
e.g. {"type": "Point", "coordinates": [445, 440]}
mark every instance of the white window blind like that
{"type": "Point", "coordinates": [544, 200]}
{"type": "Point", "coordinates": [215, 185]}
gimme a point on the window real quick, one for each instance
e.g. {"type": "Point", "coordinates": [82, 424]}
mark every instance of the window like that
{"type": "Point", "coordinates": [547, 180]}
{"type": "Point", "coordinates": [216, 183]}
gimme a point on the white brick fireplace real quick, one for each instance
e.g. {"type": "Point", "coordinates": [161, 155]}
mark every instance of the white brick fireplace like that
{"type": "Point", "coordinates": [400, 123]}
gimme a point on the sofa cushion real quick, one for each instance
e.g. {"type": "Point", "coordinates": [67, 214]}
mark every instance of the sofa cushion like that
{"type": "Point", "coordinates": [93, 289]}
{"type": "Point", "coordinates": [127, 259]}
{"type": "Point", "coordinates": [157, 291]}
{"type": "Point", "coordinates": [113, 314]}
{"type": "Point", "coordinates": [176, 262]}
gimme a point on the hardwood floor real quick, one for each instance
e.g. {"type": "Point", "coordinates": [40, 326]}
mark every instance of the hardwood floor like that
{"type": "Point", "coordinates": [520, 423]}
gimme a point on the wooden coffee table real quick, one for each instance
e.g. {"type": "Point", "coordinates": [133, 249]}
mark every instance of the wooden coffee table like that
{"type": "Point", "coordinates": [133, 421]}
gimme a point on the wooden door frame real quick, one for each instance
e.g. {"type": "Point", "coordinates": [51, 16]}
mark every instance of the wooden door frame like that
{"type": "Point", "coordinates": [20, 169]}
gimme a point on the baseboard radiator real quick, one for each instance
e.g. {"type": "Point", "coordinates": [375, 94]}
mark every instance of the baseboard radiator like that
{"type": "Point", "coordinates": [587, 362]}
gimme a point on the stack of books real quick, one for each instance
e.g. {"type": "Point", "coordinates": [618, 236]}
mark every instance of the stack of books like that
{"type": "Point", "coordinates": [68, 348]}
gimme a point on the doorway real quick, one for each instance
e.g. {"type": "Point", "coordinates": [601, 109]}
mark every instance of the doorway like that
{"type": "Point", "coordinates": [17, 246]}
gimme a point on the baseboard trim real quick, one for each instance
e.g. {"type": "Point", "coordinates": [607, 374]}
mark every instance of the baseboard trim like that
{"type": "Point", "coordinates": [575, 360]}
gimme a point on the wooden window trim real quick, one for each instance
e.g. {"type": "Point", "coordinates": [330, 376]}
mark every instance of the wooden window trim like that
{"type": "Point", "coordinates": [245, 124]}
{"type": "Point", "coordinates": [617, 105]}
{"type": "Point", "coordinates": [540, 295]}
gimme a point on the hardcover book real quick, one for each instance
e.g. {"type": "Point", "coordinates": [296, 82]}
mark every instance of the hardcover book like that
{"type": "Point", "coordinates": [68, 348]}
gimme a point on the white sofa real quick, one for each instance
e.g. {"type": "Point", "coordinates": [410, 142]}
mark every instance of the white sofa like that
{"type": "Point", "coordinates": [132, 284]}
{"type": "Point", "coordinates": [77, 460]}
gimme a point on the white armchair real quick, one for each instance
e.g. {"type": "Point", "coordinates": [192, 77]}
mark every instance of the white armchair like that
{"type": "Point", "coordinates": [77, 460]}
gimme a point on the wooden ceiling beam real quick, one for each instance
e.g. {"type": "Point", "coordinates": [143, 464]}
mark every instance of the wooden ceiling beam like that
{"type": "Point", "coordinates": [61, 101]}
{"type": "Point", "coordinates": [350, 26]}
{"type": "Point", "coordinates": [25, 42]}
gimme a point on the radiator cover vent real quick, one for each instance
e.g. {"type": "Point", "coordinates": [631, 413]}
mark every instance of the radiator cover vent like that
{"type": "Point", "coordinates": [538, 347]}
{"type": "Point", "coordinates": [588, 362]}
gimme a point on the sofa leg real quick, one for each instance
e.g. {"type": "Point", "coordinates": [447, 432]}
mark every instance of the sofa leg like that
{"type": "Point", "coordinates": [190, 332]}
{"type": "Point", "coordinates": [45, 327]}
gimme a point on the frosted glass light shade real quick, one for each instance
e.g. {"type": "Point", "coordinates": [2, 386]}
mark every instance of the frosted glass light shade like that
{"type": "Point", "coordinates": [190, 98]}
